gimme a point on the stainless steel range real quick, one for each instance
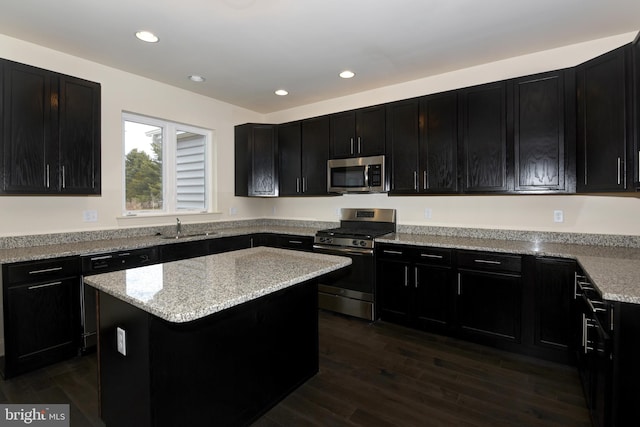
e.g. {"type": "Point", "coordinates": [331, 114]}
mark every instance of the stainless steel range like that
{"type": "Point", "coordinates": [354, 293]}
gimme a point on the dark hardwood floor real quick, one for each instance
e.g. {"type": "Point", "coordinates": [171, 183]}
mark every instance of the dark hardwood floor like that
{"type": "Point", "coordinates": [373, 375]}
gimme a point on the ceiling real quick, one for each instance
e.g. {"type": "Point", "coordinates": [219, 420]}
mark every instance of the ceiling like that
{"type": "Point", "coordinates": [246, 49]}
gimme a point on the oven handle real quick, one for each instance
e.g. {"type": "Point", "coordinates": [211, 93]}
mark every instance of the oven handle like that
{"type": "Point", "coordinates": [341, 250]}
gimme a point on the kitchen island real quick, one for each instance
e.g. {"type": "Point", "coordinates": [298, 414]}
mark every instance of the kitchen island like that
{"type": "Point", "coordinates": [214, 340]}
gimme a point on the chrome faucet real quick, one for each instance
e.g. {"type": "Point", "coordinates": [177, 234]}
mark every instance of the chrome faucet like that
{"type": "Point", "coordinates": [178, 227]}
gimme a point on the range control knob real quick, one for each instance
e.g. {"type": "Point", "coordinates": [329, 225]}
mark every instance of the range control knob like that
{"type": "Point", "coordinates": [355, 243]}
{"type": "Point", "coordinates": [363, 243]}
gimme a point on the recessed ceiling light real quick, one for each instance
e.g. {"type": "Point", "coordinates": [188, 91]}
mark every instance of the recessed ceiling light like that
{"type": "Point", "coordinates": [196, 78]}
{"type": "Point", "coordinates": [346, 74]}
{"type": "Point", "coordinates": [281, 92]}
{"type": "Point", "coordinates": [147, 36]}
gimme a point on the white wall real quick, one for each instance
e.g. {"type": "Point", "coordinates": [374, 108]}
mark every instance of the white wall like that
{"type": "Point", "coordinates": [124, 92]}
{"type": "Point", "coordinates": [587, 214]}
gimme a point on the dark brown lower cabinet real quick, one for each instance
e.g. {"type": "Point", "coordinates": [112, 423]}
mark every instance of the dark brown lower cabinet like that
{"type": "Point", "coordinates": [415, 286]}
{"type": "Point", "coordinates": [41, 315]}
{"type": "Point", "coordinates": [554, 313]}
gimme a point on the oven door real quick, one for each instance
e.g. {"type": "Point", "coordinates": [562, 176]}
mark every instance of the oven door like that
{"type": "Point", "coordinates": [351, 293]}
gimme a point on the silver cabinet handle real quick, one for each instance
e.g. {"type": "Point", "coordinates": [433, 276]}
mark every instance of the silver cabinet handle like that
{"type": "Point", "coordinates": [486, 261]}
{"type": "Point", "coordinates": [415, 180]}
{"type": "Point", "coordinates": [359, 145]}
{"type": "Point", "coordinates": [304, 184]}
{"type": "Point", "coordinates": [431, 256]}
{"type": "Point", "coordinates": [64, 181]}
{"type": "Point", "coordinates": [619, 169]}
{"type": "Point", "coordinates": [415, 277]}
{"type": "Point", "coordinates": [46, 270]}
{"type": "Point", "coordinates": [295, 242]}
{"type": "Point", "coordinates": [48, 180]}
{"type": "Point", "coordinates": [459, 287]}
{"type": "Point", "coordinates": [406, 275]}
{"type": "Point", "coordinates": [389, 251]}
{"type": "Point", "coordinates": [424, 179]}
{"type": "Point", "coordinates": [351, 149]}
{"type": "Point", "coordinates": [46, 285]}
{"type": "Point", "coordinates": [297, 185]}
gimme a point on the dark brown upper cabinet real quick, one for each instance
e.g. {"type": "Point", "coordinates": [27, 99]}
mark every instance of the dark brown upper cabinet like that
{"type": "Point", "coordinates": [403, 139]}
{"type": "Point", "coordinates": [604, 123]}
{"type": "Point", "coordinates": [358, 133]}
{"type": "Point", "coordinates": [256, 160]}
{"type": "Point", "coordinates": [486, 151]}
{"type": "Point", "coordinates": [303, 151]}
{"type": "Point", "coordinates": [544, 136]}
{"type": "Point", "coordinates": [422, 145]}
{"type": "Point", "coordinates": [50, 136]}
{"type": "Point", "coordinates": [636, 111]}
{"type": "Point", "coordinates": [438, 172]}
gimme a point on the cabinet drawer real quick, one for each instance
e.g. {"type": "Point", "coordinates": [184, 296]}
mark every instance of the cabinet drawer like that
{"type": "Point", "coordinates": [432, 256]}
{"type": "Point", "coordinates": [34, 271]}
{"type": "Point", "coordinates": [394, 252]}
{"type": "Point", "coordinates": [489, 261]}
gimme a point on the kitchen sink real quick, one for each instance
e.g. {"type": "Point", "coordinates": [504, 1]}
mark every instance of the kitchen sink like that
{"type": "Point", "coordinates": [185, 236]}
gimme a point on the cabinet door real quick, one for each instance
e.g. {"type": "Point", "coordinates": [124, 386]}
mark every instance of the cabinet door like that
{"type": "Point", "coordinates": [370, 131]}
{"type": "Point", "coordinates": [394, 293]}
{"type": "Point", "coordinates": [439, 144]}
{"type": "Point", "coordinates": [603, 122]}
{"type": "Point", "coordinates": [489, 304]}
{"type": "Point", "coordinates": [42, 324]}
{"type": "Point", "coordinates": [315, 153]}
{"type": "Point", "coordinates": [539, 133]}
{"type": "Point", "coordinates": [29, 160]}
{"type": "Point", "coordinates": [432, 302]}
{"type": "Point", "coordinates": [256, 162]}
{"type": "Point", "coordinates": [636, 111]}
{"type": "Point", "coordinates": [343, 130]}
{"type": "Point", "coordinates": [289, 156]}
{"type": "Point", "coordinates": [403, 135]}
{"type": "Point", "coordinates": [79, 136]}
{"type": "Point", "coordinates": [484, 131]}
{"type": "Point", "coordinates": [554, 283]}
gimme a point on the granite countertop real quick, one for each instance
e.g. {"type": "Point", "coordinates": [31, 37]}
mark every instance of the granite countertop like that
{"type": "Point", "coordinates": [187, 290]}
{"type": "Point", "coordinates": [614, 270]}
{"type": "Point", "coordinates": [45, 251]}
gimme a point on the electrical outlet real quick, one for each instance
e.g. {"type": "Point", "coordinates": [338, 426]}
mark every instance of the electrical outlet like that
{"type": "Point", "coordinates": [233, 211]}
{"type": "Point", "coordinates": [89, 216]}
{"type": "Point", "coordinates": [427, 213]}
{"type": "Point", "coordinates": [121, 337]}
{"type": "Point", "coordinates": [558, 216]}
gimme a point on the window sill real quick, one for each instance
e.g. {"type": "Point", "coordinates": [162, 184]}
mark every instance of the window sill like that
{"type": "Point", "coordinates": [165, 218]}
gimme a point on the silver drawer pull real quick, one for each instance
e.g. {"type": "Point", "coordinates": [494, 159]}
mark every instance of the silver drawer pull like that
{"type": "Point", "coordinates": [431, 256]}
{"type": "Point", "coordinates": [387, 251]}
{"type": "Point", "coordinates": [296, 242]}
{"type": "Point", "coordinates": [46, 285]}
{"type": "Point", "coordinates": [98, 258]}
{"type": "Point", "coordinates": [46, 270]}
{"type": "Point", "coordinates": [486, 261]}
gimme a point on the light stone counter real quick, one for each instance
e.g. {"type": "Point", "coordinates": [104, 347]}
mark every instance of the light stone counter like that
{"type": "Point", "coordinates": [190, 289]}
{"type": "Point", "coordinates": [614, 270]}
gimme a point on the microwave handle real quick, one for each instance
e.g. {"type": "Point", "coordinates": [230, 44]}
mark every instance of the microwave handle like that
{"type": "Point", "coordinates": [366, 175]}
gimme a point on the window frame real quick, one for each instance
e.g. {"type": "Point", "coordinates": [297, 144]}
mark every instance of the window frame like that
{"type": "Point", "coordinates": [169, 169]}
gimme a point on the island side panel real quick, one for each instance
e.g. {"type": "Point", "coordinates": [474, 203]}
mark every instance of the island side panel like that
{"type": "Point", "coordinates": [231, 367]}
{"type": "Point", "coordinates": [125, 397]}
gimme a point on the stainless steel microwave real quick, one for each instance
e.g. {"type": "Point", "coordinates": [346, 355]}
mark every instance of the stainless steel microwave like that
{"type": "Point", "coordinates": [356, 175]}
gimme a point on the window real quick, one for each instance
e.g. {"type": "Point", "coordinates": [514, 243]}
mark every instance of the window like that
{"type": "Point", "coordinates": [167, 166]}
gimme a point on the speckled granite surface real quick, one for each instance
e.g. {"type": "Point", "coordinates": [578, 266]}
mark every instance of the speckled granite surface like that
{"type": "Point", "coordinates": [614, 270]}
{"type": "Point", "coordinates": [187, 290]}
{"type": "Point", "coordinates": [611, 261]}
